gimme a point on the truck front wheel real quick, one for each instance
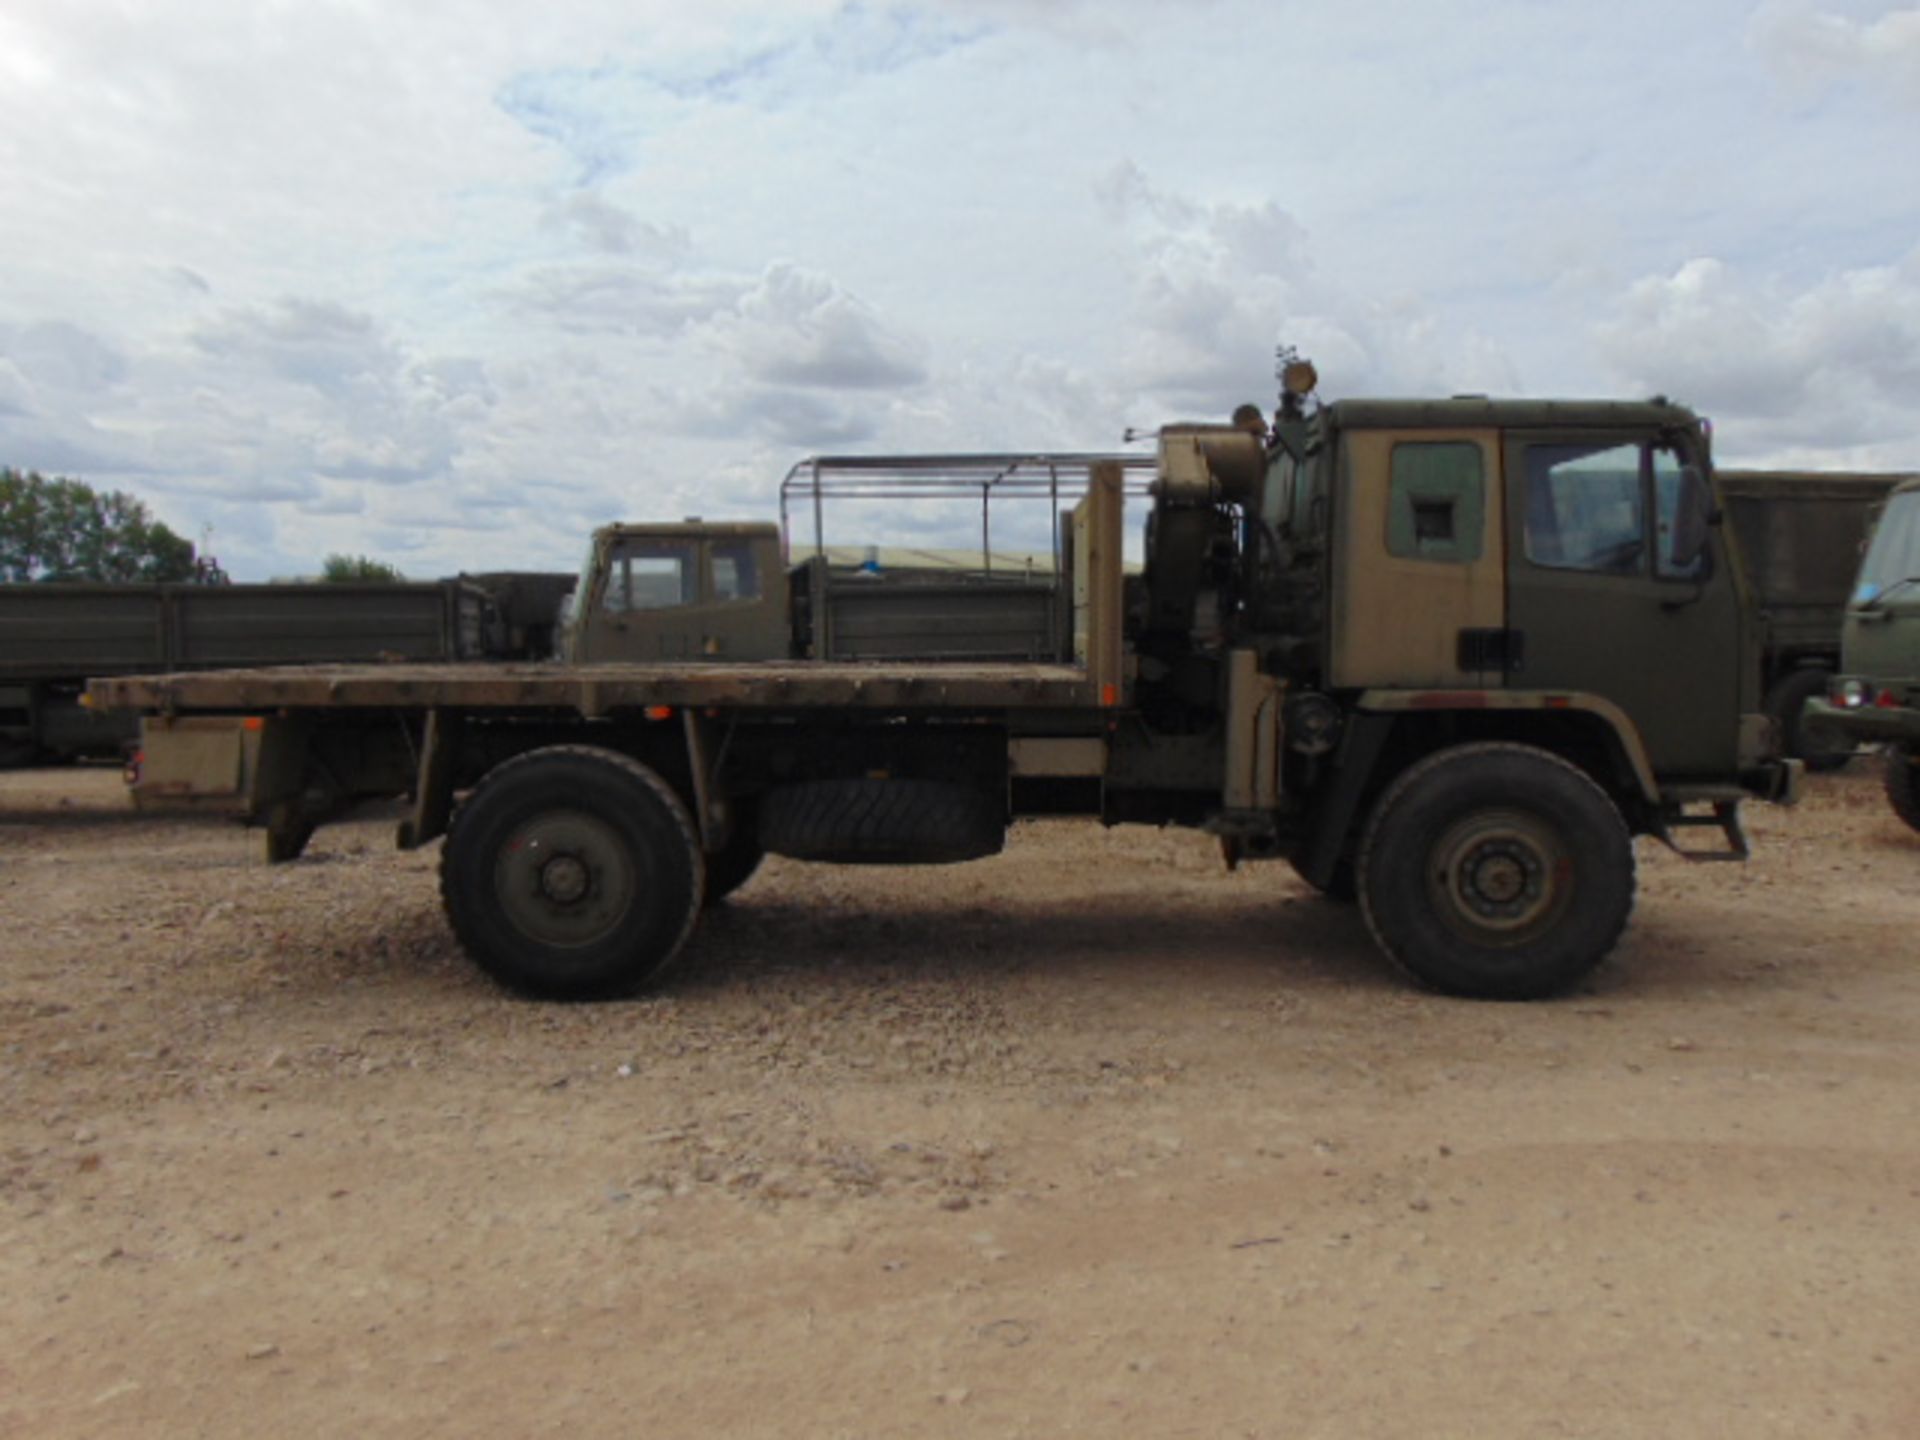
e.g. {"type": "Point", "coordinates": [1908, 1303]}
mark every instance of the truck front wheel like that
{"type": "Point", "coordinates": [572, 873]}
{"type": "Point", "coordinates": [1496, 871]}
{"type": "Point", "coordinates": [1786, 703]}
{"type": "Point", "coordinates": [1903, 783]}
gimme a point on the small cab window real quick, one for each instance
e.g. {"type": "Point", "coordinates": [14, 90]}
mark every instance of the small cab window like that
{"type": "Point", "coordinates": [651, 575]}
{"type": "Point", "coordinates": [735, 576]}
{"type": "Point", "coordinates": [1436, 501]}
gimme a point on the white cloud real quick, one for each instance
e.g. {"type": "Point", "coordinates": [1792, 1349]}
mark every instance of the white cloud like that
{"type": "Point", "coordinates": [1219, 286]}
{"type": "Point", "coordinates": [795, 328]}
{"type": "Point", "coordinates": [614, 231]}
{"type": "Point", "coordinates": [334, 276]}
{"type": "Point", "coordinates": [1789, 373]}
{"type": "Point", "coordinates": [1814, 50]}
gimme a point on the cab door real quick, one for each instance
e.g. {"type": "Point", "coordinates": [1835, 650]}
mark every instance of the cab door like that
{"type": "Point", "coordinates": [1418, 598]}
{"type": "Point", "coordinates": [1604, 598]}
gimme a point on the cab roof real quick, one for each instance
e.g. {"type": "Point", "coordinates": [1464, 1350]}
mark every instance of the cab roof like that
{"type": "Point", "coordinates": [1468, 412]}
{"type": "Point", "coordinates": [683, 529]}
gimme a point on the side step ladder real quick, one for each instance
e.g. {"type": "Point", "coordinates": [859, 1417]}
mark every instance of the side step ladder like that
{"type": "Point", "coordinates": [1725, 818]}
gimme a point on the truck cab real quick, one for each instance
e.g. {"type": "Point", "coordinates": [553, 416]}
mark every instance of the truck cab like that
{"type": "Point", "coordinates": [689, 591]}
{"type": "Point", "coordinates": [1524, 554]}
{"type": "Point", "coordinates": [1403, 579]}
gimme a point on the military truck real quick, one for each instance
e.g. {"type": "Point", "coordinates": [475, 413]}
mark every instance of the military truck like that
{"type": "Point", "coordinates": [1875, 699]}
{"type": "Point", "coordinates": [1446, 657]}
{"type": "Point", "coordinates": [53, 636]}
{"type": "Point", "coordinates": [1801, 534]}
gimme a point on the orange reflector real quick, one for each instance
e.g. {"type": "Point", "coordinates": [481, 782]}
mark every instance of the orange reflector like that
{"type": "Point", "coordinates": [255, 723]}
{"type": "Point", "coordinates": [1109, 695]}
{"type": "Point", "coordinates": [1559, 702]}
{"type": "Point", "coordinates": [659, 712]}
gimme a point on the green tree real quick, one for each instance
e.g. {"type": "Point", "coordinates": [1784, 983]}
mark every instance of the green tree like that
{"type": "Point", "coordinates": [57, 529]}
{"type": "Point", "coordinates": [358, 570]}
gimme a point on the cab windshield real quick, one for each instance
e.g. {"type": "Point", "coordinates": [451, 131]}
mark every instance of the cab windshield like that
{"type": "Point", "coordinates": [1893, 556]}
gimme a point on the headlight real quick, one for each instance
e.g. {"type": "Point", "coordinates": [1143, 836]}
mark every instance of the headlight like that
{"type": "Point", "coordinates": [1850, 694]}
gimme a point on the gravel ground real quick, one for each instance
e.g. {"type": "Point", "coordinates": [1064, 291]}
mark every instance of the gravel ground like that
{"type": "Point", "coordinates": [1092, 1138]}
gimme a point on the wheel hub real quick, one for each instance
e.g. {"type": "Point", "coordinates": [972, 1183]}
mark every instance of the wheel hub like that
{"type": "Point", "coordinates": [1499, 877]}
{"type": "Point", "coordinates": [564, 879]}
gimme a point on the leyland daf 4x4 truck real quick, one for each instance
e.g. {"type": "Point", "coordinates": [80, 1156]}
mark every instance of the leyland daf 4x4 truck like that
{"type": "Point", "coordinates": [1447, 657]}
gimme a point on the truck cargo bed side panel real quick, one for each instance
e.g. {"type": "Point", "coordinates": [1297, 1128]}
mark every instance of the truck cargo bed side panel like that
{"type": "Point", "coordinates": [603, 689]}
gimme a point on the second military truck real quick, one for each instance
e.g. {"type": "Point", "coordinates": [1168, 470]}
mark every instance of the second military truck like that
{"type": "Point", "coordinates": [1446, 657]}
{"type": "Point", "coordinates": [55, 634]}
{"type": "Point", "coordinates": [1801, 534]}
{"type": "Point", "coordinates": [1875, 698]}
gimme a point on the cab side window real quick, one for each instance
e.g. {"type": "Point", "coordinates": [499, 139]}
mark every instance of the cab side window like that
{"type": "Point", "coordinates": [651, 575]}
{"type": "Point", "coordinates": [1611, 508]}
{"type": "Point", "coordinates": [1669, 495]}
{"type": "Point", "coordinates": [1436, 501]}
{"type": "Point", "coordinates": [735, 576]}
{"type": "Point", "coordinates": [1585, 508]}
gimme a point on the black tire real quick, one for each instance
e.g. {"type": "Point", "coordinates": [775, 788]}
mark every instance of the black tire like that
{"type": "Point", "coordinates": [1496, 871]}
{"type": "Point", "coordinates": [1902, 779]}
{"type": "Point", "coordinates": [1342, 887]}
{"type": "Point", "coordinates": [572, 873]}
{"type": "Point", "coordinates": [1786, 703]}
{"type": "Point", "coordinates": [733, 864]}
{"type": "Point", "coordinates": [882, 822]}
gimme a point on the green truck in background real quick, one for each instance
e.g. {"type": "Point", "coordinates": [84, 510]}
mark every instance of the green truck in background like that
{"type": "Point", "coordinates": [1875, 698]}
{"type": "Point", "coordinates": [1801, 534]}
{"type": "Point", "coordinates": [1444, 657]}
{"type": "Point", "coordinates": [55, 635]}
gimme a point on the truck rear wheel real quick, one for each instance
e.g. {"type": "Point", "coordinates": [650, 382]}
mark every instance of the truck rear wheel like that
{"type": "Point", "coordinates": [1785, 702]}
{"type": "Point", "coordinates": [1902, 780]}
{"type": "Point", "coordinates": [572, 873]}
{"type": "Point", "coordinates": [1496, 871]}
{"type": "Point", "coordinates": [871, 821]}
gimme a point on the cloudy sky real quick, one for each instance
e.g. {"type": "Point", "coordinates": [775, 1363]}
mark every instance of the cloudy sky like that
{"type": "Point", "coordinates": [449, 284]}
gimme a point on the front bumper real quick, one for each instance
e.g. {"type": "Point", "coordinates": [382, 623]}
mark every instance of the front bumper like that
{"type": "Point", "coordinates": [1860, 725]}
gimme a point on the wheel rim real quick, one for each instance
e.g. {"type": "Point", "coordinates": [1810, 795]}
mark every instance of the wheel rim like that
{"type": "Point", "coordinates": [1500, 877]}
{"type": "Point", "coordinates": [565, 878]}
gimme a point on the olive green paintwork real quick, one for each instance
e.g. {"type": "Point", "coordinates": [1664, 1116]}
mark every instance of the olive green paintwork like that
{"type": "Point", "coordinates": [1674, 648]}
{"type": "Point", "coordinates": [1880, 637]}
{"type": "Point", "coordinates": [693, 591]}
{"type": "Point", "coordinates": [1801, 534]}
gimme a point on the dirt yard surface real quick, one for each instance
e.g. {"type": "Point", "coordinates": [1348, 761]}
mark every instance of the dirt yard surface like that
{"type": "Point", "coordinates": [1090, 1139]}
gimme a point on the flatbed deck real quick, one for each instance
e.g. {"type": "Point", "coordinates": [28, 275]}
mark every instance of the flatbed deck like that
{"type": "Point", "coordinates": [594, 690]}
